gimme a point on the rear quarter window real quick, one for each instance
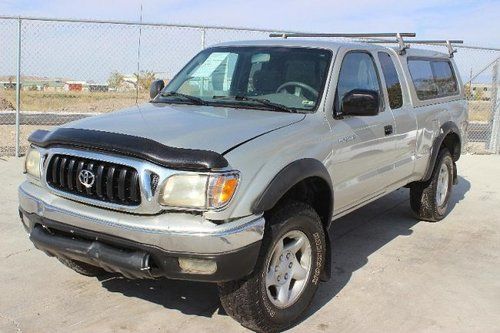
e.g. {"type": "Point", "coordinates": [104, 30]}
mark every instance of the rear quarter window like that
{"type": "Point", "coordinates": [432, 78]}
{"type": "Point", "coordinates": [445, 79]}
{"type": "Point", "coordinates": [391, 80]}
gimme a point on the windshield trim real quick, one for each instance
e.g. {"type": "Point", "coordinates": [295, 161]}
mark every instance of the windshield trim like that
{"type": "Point", "coordinates": [321, 91]}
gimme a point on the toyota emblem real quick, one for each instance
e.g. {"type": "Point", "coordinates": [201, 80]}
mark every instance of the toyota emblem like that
{"type": "Point", "coordinates": [86, 178]}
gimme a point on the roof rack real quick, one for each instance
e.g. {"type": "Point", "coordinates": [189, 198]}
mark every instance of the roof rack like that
{"type": "Point", "coordinates": [398, 35]}
{"type": "Point", "coordinates": [377, 38]}
{"type": "Point", "coordinates": [448, 43]}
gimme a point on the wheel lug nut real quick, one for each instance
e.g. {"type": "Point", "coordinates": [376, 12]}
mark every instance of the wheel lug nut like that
{"type": "Point", "coordinates": [279, 278]}
{"type": "Point", "coordinates": [290, 265]}
{"type": "Point", "coordinates": [281, 257]}
{"type": "Point", "coordinates": [288, 255]}
{"type": "Point", "coordinates": [286, 276]}
{"type": "Point", "coordinates": [276, 268]}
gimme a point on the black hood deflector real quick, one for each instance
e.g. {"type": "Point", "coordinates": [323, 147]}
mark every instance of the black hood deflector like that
{"type": "Point", "coordinates": [129, 145]}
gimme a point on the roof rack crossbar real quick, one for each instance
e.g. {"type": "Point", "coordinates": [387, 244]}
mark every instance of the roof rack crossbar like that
{"type": "Point", "coordinates": [398, 35]}
{"type": "Point", "coordinates": [448, 43]}
{"type": "Point", "coordinates": [347, 35]}
{"type": "Point", "coordinates": [437, 41]}
{"type": "Point", "coordinates": [417, 41]}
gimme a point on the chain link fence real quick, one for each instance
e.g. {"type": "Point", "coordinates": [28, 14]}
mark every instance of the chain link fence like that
{"type": "Point", "coordinates": [70, 69]}
{"type": "Point", "coordinates": [484, 109]}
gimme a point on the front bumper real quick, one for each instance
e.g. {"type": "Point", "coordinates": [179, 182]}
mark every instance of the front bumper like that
{"type": "Point", "coordinates": [139, 246]}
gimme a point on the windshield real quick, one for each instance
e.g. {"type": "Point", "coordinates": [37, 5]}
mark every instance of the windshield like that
{"type": "Point", "coordinates": [293, 78]}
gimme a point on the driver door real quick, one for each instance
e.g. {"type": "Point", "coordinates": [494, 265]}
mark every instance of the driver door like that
{"type": "Point", "coordinates": [363, 146]}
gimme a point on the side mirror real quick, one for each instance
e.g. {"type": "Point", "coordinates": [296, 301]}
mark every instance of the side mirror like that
{"type": "Point", "coordinates": [155, 88]}
{"type": "Point", "coordinates": [360, 102]}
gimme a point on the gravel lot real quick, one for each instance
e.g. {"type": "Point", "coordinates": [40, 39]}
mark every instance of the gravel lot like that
{"type": "Point", "coordinates": [391, 274]}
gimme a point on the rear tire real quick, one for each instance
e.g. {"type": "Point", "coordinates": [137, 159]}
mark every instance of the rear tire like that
{"type": "Point", "coordinates": [293, 248]}
{"type": "Point", "coordinates": [82, 268]}
{"type": "Point", "coordinates": [429, 200]}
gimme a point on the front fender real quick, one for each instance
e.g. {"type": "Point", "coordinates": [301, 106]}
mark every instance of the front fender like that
{"type": "Point", "coordinates": [288, 177]}
{"type": "Point", "coordinates": [263, 158]}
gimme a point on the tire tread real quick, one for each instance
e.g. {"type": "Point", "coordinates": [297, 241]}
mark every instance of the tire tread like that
{"type": "Point", "coordinates": [422, 194]}
{"type": "Point", "coordinates": [240, 298]}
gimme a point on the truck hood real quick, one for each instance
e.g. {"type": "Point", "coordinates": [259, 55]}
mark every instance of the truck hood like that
{"type": "Point", "coordinates": [190, 126]}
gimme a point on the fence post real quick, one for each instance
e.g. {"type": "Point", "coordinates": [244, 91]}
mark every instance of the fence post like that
{"type": "Point", "coordinates": [495, 108]}
{"type": "Point", "coordinates": [203, 35]}
{"type": "Point", "coordinates": [18, 87]}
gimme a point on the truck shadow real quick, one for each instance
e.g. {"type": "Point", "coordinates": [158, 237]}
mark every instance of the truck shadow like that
{"type": "Point", "coordinates": [192, 298]}
{"type": "Point", "coordinates": [354, 237]}
{"type": "Point", "coordinates": [361, 233]}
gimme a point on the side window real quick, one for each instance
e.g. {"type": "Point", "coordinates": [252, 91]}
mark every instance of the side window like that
{"type": "Point", "coordinates": [432, 78]}
{"type": "Point", "coordinates": [445, 79]}
{"type": "Point", "coordinates": [423, 79]}
{"type": "Point", "coordinates": [211, 76]}
{"type": "Point", "coordinates": [358, 71]}
{"type": "Point", "coordinates": [392, 80]}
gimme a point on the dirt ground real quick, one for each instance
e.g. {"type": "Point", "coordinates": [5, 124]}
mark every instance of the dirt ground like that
{"type": "Point", "coordinates": [480, 111]}
{"type": "Point", "coordinates": [8, 136]}
{"type": "Point", "coordinates": [74, 101]}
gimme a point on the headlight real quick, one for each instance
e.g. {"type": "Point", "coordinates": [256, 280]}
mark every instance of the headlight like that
{"type": "Point", "coordinates": [210, 191]}
{"type": "Point", "coordinates": [32, 163]}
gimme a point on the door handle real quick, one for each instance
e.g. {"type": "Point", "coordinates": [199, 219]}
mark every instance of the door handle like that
{"type": "Point", "coordinates": [388, 130]}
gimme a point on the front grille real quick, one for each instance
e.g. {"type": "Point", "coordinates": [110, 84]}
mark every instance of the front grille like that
{"type": "Point", "coordinates": [112, 182]}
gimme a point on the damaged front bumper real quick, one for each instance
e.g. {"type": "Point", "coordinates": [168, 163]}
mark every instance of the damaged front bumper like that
{"type": "Point", "coordinates": [173, 245]}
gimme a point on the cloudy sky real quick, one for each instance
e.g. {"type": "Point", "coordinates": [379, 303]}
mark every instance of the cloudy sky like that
{"type": "Point", "coordinates": [477, 21]}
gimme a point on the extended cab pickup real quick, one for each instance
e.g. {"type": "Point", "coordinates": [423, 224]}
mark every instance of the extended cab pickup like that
{"type": "Point", "coordinates": [234, 172]}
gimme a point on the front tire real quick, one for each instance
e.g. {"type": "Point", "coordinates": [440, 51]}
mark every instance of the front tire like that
{"type": "Point", "coordinates": [286, 275]}
{"type": "Point", "coordinates": [429, 200]}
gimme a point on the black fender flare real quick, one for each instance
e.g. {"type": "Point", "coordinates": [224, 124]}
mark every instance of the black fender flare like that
{"type": "Point", "coordinates": [447, 128]}
{"type": "Point", "coordinates": [288, 177]}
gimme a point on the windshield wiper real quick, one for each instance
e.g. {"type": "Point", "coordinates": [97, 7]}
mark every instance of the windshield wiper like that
{"type": "Point", "coordinates": [195, 100]}
{"type": "Point", "coordinates": [265, 102]}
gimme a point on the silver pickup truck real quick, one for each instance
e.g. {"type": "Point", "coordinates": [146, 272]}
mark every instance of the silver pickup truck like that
{"type": "Point", "coordinates": [234, 171]}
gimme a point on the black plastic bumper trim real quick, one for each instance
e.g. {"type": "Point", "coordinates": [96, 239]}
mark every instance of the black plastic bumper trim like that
{"type": "Point", "coordinates": [129, 258]}
{"type": "Point", "coordinates": [131, 264]}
